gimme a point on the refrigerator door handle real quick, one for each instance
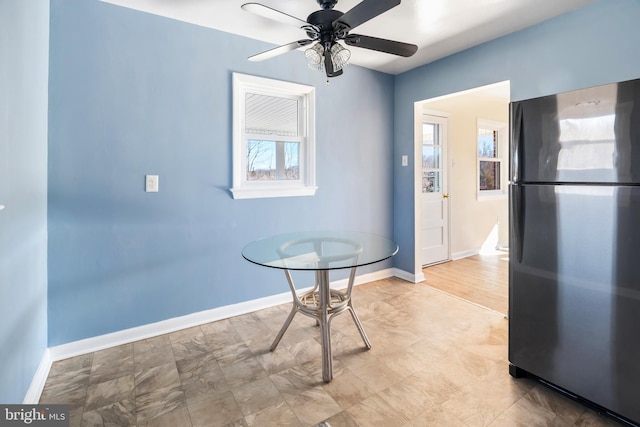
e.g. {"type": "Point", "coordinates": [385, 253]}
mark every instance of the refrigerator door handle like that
{"type": "Point", "coordinates": [517, 139]}
{"type": "Point", "coordinates": [517, 221]}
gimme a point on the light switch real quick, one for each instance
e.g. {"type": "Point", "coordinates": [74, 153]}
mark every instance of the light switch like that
{"type": "Point", "coordinates": [405, 160]}
{"type": "Point", "coordinates": [151, 183]}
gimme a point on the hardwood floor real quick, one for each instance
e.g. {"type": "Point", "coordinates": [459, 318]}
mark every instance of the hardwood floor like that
{"type": "Point", "coordinates": [481, 279]}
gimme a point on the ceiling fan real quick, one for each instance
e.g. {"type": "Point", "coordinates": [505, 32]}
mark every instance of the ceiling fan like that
{"type": "Point", "coordinates": [326, 27]}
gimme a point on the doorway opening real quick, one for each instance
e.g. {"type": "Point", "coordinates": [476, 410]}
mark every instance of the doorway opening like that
{"type": "Point", "coordinates": [461, 196]}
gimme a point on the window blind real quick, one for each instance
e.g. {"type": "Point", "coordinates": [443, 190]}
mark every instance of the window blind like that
{"type": "Point", "coordinates": [271, 115]}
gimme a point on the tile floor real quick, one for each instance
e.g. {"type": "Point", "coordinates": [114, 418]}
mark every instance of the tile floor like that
{"type": "Point", "coordinates": [436, 361]}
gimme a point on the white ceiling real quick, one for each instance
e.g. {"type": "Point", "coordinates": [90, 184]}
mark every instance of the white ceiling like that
{"type": "Point", "coordinates": [439, 27]}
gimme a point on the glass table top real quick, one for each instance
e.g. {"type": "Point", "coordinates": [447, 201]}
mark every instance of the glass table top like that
{"type": "Point", "coordinates": [319, 250]}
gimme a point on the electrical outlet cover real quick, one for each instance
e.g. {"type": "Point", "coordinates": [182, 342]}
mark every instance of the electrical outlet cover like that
{"type": "Point", "coordinates": [151, 183]}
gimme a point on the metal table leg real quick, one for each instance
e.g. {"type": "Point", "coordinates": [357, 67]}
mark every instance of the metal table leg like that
{"type": "Point", "coordinates": [322, 277]}
{"type": "Point", "coordinates": [323, 314]}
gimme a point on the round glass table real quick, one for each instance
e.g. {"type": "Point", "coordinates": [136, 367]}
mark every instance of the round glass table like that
{"type": "Point", "coordinates": [321, 251]}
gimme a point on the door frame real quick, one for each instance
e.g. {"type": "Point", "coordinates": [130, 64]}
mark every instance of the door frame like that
{"type": "Point", "coordinates": [419, 112]}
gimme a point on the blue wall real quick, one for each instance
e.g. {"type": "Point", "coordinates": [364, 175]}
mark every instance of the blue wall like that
{"type": "Point", "coordinates": [24, 43]}
{"type": "Point", "coordinates": [594, 45]}
{"type": "Point", "coordinates": [134, 94]}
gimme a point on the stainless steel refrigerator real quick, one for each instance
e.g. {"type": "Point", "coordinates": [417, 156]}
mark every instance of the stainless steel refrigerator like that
{"type": "Point", "coordinates": [574, 271]}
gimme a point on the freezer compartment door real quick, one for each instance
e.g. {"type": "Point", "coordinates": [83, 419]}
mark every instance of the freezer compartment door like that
{"type": "Point", "coordinates": [574, 290]}
{"type": "Point", "coordinates": [584, 136]}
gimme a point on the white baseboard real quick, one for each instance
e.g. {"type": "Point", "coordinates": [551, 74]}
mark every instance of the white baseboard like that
{"type": "Point", "coordinates": [101, 342]}
{"type": "Point", "coordinates": [89, 345]}
{"type": "Point", "coordinates": [500, 246]}
{"type": "Point", "coordinates": [464, 254]}
{"type": "Point", "coordinates": [409, 277]}
{"type": "Point", "coordinates": [39, 379]}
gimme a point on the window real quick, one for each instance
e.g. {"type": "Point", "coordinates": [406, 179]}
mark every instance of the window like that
{"type": "Point", "coordinates": [431, 158]}
{"type": "Point", "coordinates": [490, 147]}
{"type": "Point", "coordinates": [273, 138]}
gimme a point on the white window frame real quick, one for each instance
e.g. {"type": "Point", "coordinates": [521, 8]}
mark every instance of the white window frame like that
{"type": "Point", "coordinates": [306, 184]}
{"type": "Point", "coordinates": [502, 129]}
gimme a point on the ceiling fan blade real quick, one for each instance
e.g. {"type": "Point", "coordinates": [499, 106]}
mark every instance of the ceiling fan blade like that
{"type": "Point", "coordinates": [381, 45]}
{"type": "Point", "coordinates": [273, 14]}
{"type": "Point", "coordinates": [279, 50]}
{"type": "Point", "coordinates": [363, 12]}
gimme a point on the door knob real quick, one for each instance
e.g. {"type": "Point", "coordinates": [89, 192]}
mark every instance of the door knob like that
{"type": "Point", "coordinates": [445, 196]}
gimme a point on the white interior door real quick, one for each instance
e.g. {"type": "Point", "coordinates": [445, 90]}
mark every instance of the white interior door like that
{"type": "Point", "coordinates": [435, 199]}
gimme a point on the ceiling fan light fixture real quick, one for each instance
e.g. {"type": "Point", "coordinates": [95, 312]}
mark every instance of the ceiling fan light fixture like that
{"type": "Point", "coordinates": [340, 56]}
{"type": "Point", "coordinates": [314, 57]}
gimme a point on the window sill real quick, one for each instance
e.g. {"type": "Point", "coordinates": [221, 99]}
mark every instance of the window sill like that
{"type": "Point", "coordinates": [262, 193]}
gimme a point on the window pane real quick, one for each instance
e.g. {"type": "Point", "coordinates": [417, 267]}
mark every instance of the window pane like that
{"type": "Point", "coordinates": [261, 160]}
{"type": "Point", "coordinates": [291, 160]}
{"type": "Point", "coordinates": [271, 115]}
{"type": "Point", "coordinates": [431, 181]}
{"type": "Point", "coordinates": [489, 175]}
{"type": "Point", "coordinates": [487, 143]}
{"type": "Point", "coordinates": [431, 157]}
{"type": "Point", "coordinates": [429, 133]}
{"type": "Point", "coordinates": [272, 160]}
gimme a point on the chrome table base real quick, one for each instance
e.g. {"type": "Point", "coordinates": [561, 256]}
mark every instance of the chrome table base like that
{"type": "Point", "coordinates": [322, 303]}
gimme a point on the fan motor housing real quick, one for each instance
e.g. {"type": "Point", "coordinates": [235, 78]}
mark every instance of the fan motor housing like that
{"type": "Point", "coordinates": [323, 21]}
{"type": "Point", "coordinates": [327, 4]}
{"type": "Point", "coordinates": [324, 18]}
